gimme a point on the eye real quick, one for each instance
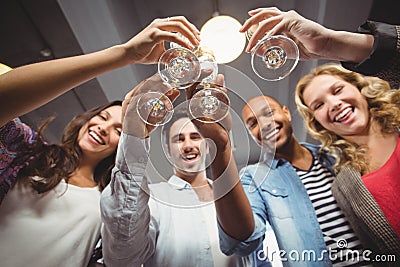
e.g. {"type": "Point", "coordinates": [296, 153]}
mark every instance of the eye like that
{"type": "Point", "coordinates": [177, 139]}
{"type": "Point", "coordinates": [251, 123]}
{"type": "Point", "coordinates": [338, 89]}
{"type": "Point", "coordinates": [102, 116]}
{"type": "Point", "coordinates": [196, 137]}
{"type": "Point", "coordinates": [318, 106]}
{"type": "Point", "coordinates": [268, 113]}
{"type": "Point", "coordinates": [118, 131]}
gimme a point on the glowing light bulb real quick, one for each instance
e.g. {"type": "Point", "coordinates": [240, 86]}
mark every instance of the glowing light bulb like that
{"type": "Point", "coordinates": [221, 35]}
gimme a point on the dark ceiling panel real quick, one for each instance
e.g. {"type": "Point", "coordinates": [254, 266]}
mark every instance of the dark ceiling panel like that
{"type": "Point", "coordinates": [34, 31]}
{"type": "Point", "coordinates": [21, 42]}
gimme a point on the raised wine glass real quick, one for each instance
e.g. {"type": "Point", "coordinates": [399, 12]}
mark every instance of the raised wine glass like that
{"type": "Point", "coordinates": [209, 104]}
{"type": "Point", "coordinates": [153, 106]}
{"type": "Point", "coordinates": [178, 68]}
{"type": "Point", "coordinates": [274, 57]}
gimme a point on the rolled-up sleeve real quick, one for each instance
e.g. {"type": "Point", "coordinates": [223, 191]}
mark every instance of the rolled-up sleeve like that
{"type": "Point", "coordinates": [14, 138]}
{"type": "Point", "coordinates": [230, 245]}
{"type": "Point", "coordinates": [128, 234]}
{"type": "Point", "coordinates": [384, 61]}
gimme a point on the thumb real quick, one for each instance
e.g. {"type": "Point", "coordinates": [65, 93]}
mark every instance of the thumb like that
{"type": "Point", "coordinates": [172, 95]}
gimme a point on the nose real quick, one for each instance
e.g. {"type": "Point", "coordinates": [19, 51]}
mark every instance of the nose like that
{"type": "Point", "coordinates": [335, 104]}
{"type": "Point", "coordinates": [102, 129]}
{"type": "Point", "coordinates": [187, 145]}
{"type": "Point", "coordinates": [266, 123]}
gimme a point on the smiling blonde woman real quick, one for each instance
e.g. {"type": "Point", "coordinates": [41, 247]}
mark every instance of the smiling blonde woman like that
{"type": "Point", "coordinates": [357, 119]}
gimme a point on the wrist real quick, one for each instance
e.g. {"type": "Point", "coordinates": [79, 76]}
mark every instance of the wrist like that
{"type": "Point", "coordinates": [349, 46]}
{"type": "Point", "coordinates": [120, 55]}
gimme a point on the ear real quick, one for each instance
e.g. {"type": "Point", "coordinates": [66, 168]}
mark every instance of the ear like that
{"type": "Point", "coordinates": [287, 113]}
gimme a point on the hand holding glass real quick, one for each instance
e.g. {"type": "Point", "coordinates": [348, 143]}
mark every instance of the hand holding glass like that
{"type": "Point", "coordinates": [274, 57]}
{"type": "Point", "coordinates": [210, 104]}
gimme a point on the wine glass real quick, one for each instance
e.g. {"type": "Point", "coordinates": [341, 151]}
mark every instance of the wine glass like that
{"type": "Point", "coordinates": [153, 106]}
{"type": "Point", "coordinates": [274, 57]}
{"type": "Point", "coordinates": [178, 66]}
{"type": "Point", "coordinates": [210, 104]}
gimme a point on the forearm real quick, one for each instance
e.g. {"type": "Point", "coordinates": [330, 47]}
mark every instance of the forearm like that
{"type": "Point", "coordinates": [233, 208]}
{"type": "Point", "coordinates": [128, 234]}
{"type": "Point", "coordinates": [127, 239]}
{"type": "Point", "coordinates": [36, 84]}
{"type": "Point", "coordinates": [349, 46]}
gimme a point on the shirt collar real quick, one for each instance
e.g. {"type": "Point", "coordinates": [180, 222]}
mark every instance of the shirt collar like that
{"type": "Point", "coordinates": [179, 183]}
{"type": "Point", "coordinates": [270, 159]}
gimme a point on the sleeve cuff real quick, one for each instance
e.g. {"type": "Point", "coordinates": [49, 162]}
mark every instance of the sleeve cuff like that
{"type": "Point", "coordinates": [385, 45]}
{"type": "Point", "coordinates": [230, 245]}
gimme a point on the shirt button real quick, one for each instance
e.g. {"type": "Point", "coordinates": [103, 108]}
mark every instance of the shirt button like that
{"type": "Point", "coordinates": [141, 159]}
{"type": "Point", "coordinates": [274, 191]}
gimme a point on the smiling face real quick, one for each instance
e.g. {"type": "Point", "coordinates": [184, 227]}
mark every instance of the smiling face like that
{"type": "Point", "coordinates": [337, 105]}
{"type": "Point", "coordinates": [99, 137]}
{"type": "Point", "coordinates": [268, 122]}
{"type": "Point", "coordinates": [187, 147]}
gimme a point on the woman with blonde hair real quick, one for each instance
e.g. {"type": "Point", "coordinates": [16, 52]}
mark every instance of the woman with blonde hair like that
{"type": "Point", "coordinates": [357, 119]}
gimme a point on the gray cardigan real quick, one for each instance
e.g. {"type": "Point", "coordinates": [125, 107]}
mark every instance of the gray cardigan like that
{"type": "Point", "coordinates": [364, 214]}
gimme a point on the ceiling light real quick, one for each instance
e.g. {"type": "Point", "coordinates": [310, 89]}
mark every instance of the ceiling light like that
{"type": "Point", "coordinates": [221, 35]}
{"type": "Point", "coordinates": [4, 68]}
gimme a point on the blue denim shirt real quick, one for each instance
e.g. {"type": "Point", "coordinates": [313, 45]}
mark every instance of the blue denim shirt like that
{"type": "Point", "coordinates": [279, 198]}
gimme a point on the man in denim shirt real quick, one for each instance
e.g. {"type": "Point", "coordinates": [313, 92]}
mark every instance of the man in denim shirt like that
{"type": "Point", "coordinates": [292, 193]}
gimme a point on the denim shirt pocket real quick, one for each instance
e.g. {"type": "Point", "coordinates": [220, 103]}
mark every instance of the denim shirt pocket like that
{"type": "Point", "coordinates": [277, 201]}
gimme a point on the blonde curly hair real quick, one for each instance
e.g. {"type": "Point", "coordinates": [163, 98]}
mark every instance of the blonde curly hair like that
{"type": "Point", "coordinates": [384, 108]}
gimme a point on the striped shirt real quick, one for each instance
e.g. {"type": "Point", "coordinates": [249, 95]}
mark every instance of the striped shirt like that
{"type": "Point", "coordinates": [341, 242]}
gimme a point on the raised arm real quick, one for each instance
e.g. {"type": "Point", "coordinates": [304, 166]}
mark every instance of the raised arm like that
{"type": "Point", "coordinates": [233, 208]}
{"type": "Point", "coordinates": [314, 40]}
{"type": "Point", "coordinates": [26, 88]}
{"type": "Point", "coordinates": [130, 226]}
{"type": "Point", "coordinates": [373, 50]}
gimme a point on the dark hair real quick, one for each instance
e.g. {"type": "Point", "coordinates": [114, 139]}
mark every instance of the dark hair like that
{"type": "Point", "coordinates": [181, 113]}
{"type": "Point", "coordinates": [50, 163]}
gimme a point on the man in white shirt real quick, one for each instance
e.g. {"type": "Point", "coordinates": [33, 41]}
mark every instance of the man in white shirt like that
{"type": "Point", "coordinates": [174, 223]}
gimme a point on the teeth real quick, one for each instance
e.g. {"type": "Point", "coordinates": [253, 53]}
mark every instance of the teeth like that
{"type": "Point", "coordinates": [342, 114]}
{"type": "Point", "coordinates": [96, 137]}
{"type": "Point", "coordinates": [271, 134]}
{"type": "Point", "coordinates": [191, 156]}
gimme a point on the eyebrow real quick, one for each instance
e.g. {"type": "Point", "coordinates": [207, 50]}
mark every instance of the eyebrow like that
{"type": "Point", "coordinates": [105, 111]}
{"type": "Point", "coordinates": [175, 136]}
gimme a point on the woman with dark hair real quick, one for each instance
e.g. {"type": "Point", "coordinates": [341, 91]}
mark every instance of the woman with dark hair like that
{"type": "Point", "coordinates": [36, 84]}
{"type": "Point", "coordinates": [54, 205]}
{"type": "Point", "coordinates": [50, 194]}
